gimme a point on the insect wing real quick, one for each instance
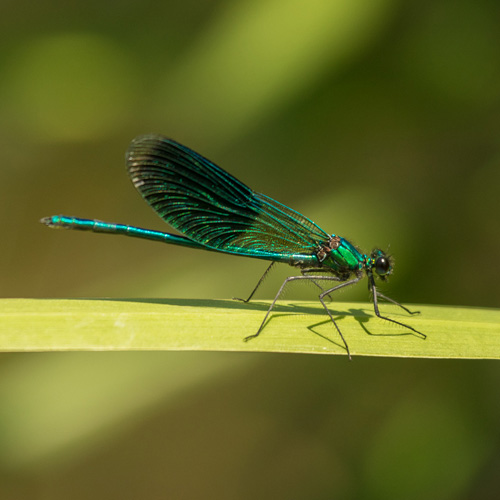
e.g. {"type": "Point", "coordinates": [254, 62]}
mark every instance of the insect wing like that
{"type": "Point", "coordinates": [212, 207]}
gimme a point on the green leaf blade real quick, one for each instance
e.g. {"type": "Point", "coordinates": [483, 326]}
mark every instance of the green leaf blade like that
{"type": "Point", "coordinates": [221, 325]}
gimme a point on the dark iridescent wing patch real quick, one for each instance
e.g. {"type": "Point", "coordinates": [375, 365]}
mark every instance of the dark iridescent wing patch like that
{"type": "Point", "coordinates": [210, 206]}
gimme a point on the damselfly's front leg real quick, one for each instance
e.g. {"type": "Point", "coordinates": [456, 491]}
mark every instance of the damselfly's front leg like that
{"type": "Point", "coordinates": [392, 301]}
{"type": "Point", "coordinates": [376, 295]}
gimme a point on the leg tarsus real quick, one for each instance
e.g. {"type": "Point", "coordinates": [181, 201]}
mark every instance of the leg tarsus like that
{"type": "Point", "coordinates": [250, 337]}
{"type": "Point", "coordinates": [376, 295]}
{"type": "Point", "coordinates": [392, 301]}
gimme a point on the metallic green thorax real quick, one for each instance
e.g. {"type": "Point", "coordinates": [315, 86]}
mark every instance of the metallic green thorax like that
{"type": "Point", "coordinates": [343, 259]}
{"type": "Point", "coordinates": [340, 255]}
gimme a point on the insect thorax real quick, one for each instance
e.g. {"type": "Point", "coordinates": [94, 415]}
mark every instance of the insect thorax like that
{"type": "Point", "coordinates": [339, 255]}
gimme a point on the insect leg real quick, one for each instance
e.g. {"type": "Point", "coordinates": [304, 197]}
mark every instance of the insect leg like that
{"type": "Point", "coordinates": [327, 292]}
{"type": "Point", "coordinates": [377, 312]}
{"type": "Point", "coordinates": [258, 284]}
{"type": "Point", "coordinates": [384, 297]}
{"type": "Point", "coordinates": [313, 270]}
{"type": "Point", "coordinates": [280, 291]}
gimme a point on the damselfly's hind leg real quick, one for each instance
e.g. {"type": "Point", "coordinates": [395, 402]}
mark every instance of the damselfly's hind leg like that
{"type": "Point", "coordinates": [262, 278]}
{"type": "Point", "coordinates": [282, 287]}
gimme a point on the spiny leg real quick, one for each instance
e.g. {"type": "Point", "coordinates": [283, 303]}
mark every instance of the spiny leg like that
{"type": "Point", "coordinates": [327, 292]}
{"type": "Point", "coordinates": [280, 291]}
{"type": "Point", "coordinates": [392, 301]}
{"type": "Point", "coordinates": [258, 284]}
{"type": "Point", "coordinates": [314, 270]}
{"type": "Point", "coordinates": [376, 294]}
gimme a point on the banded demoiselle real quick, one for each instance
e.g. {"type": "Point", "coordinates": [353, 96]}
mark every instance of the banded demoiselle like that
{"type": "Point", "coordinates": [215, 211]}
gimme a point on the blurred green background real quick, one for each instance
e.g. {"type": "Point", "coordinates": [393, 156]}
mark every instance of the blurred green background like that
{"type": "Point", "coordinates": [378, 119]}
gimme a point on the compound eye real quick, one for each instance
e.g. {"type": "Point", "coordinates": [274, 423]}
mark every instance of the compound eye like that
{"type": "Point", "coordinates": [382, 266]}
